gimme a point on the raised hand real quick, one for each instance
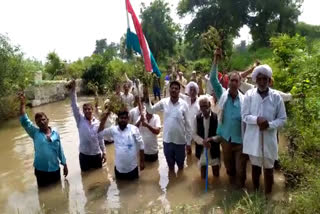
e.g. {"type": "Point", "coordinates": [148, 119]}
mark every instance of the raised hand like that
{"type": "Point", "coordinates": [21, 97]}
{"type": "Point", "coordinates": [71, 85]}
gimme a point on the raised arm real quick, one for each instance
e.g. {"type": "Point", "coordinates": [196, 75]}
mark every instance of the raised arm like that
{"type": "Point", "coordinates": [216, 85]}
{"type": "Point", "coordinates": [285, 96]}
{"type": "Point", "coordinates": [24, 120]}
{"type": "Point", "coordinates": [152, 109]}
{"type": "Point", "coordinates": [156, 129]}
{"type": "Point", "coordinates": [249, 71]}
{"type": "Point", "coordinates": [74, 105]}
{"type": "Point", "coordinates": [138, 140]}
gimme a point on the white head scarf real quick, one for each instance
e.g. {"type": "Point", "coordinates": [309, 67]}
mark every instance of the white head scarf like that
{"type": "Point", "coordinates": [192, 84]}
{"type": "Point", "coordinates": [261, 69]}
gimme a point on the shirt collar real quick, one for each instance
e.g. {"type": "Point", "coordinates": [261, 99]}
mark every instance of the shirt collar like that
{"type": "Point", "coordinates": [123, 129]}
{"type": "Point", "coordinates": [208, 117]}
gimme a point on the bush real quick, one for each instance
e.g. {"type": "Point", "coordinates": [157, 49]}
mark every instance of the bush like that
{"type": "Point", "coordinates": [241, 60]}
{"type": "Point", "coordinates": [9, 107]}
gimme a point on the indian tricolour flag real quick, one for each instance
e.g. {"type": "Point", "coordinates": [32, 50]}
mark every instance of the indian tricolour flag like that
{"type": "Point", "coordinates": [139, 43]}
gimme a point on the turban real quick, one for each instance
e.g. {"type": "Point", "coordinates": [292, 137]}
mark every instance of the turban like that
{"type": "Point", "coordinates": [192, 84]}
{"type": "Point", "coordinates": [261, 69]}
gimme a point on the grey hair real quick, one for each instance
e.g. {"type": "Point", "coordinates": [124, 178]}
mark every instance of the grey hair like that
{"type": "Point", "coordinates": [205, 97]}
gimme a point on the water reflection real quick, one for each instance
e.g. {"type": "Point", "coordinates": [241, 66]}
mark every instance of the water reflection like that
{"type": "Point", "coordinates": [97, 191]}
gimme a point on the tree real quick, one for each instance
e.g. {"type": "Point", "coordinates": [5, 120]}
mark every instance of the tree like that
{"type": "Point", "coordinates": [159, 28]}
{"type": "Point", "coordinates": [101, 46]}
{"type": "Point", "coordinates": [13, 69]}
{"type": "Point", "coordinates": [54, 65]}
{"type": "Point", "coordinates": [15, 75]}
{"type": "Point", "coordinates": [265, 18]}
{"type": "Point", "coordinates": [226, 16]}
{"type": "Point", "coordinates": [108, 51]}
{"type": "Point", "coordinates": [268, 18]}
{"type": "Point", "coordinates": [125, 53]}
{"type": "Point", "coordinates": [309, 31]}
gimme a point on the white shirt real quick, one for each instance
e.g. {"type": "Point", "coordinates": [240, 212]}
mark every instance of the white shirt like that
{"type": "Point", "coordinates": [150, 139]}
{"type": "Point", "coordinates": [111, 120]}
{"type": "Point", "coordinates": [272, 109]}
{"type": "Point", "coordinates": [194, 109]}
{"type": "Point", "coordinates": [89, 144]}
{"type": "Point", "coordinates": [127, 144]}
{"type": "Point", "coordinates": [176, 126]}
{"type": "Point", "coordinates": [134, 114]}
{"type": "Point", "coordinates": [128, 100]}
{"type": "Point", "coordinates": [209, 89]}
{"type": "Point", "coordinates": [206, 124]}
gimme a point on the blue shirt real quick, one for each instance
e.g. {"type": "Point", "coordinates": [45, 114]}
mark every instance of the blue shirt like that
{"type": "Point", "coordinates": [47, 154]}
{"type": "Point", "coordinates": [230, 128]}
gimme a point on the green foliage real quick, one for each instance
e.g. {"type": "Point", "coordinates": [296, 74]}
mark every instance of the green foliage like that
{"type": "Point", "coordinates": [96, 74]}
{"type": "Point", "coordinates": [211, 40]}
{"type": "Point", "coordinates": [125, 53]}
{"type": "Point", "coordinates": [54, 66]}
{"type": "Point", "coordinates": [272, 17]}
{"type": "Point", "coordinates": [265, 18]}
{"type": "Point", "coordinates": [15, 75]}
{"type": "Point", "coordinates": [241, 60]}
{"type": "Point", "coordinates": [298, 71]}
{"type": "Point", "coordinates": [286, 48]}
{"type": "Point", "coordinates": [254, 203]}
{"type": "Point", "coordinates": [306, 199]}
{"type": "Point", "coordinates": [202, 65]}
{"type": "Point", "coordinates": [311, 32]}
{"type": "Point", "coordinates": [159, 28]}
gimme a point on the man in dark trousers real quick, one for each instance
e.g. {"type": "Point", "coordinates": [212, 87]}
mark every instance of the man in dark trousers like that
{"type": "Point", "coordinates": [205, 127]}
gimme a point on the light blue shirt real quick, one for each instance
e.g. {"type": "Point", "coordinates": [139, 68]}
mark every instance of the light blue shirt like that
{"type": "Point", "coordinates": [230, 128]}
{"type": "Point", "coordinates": [47, 154]}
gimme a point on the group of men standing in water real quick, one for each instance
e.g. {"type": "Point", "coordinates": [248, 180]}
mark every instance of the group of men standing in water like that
{"type": "Point", "coordinates": [243, 123]}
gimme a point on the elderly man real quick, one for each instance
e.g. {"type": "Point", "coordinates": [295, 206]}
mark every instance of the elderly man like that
{"type": "Point", "coordinates": [92, 150]}
{"type": "Point", "coordinates": [230, 124]}
{"type": "Point", "coordinates": [191, 98]}
{"type": "Point", "coordinates": [176, 127]}
{"type": "Point", "coordinates": [263, 112]}
{"type": "Point", "coordinates": [204, 134]}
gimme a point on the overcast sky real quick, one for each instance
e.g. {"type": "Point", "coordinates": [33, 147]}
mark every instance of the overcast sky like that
{"type": "Point", "coordinates": [71, 27]}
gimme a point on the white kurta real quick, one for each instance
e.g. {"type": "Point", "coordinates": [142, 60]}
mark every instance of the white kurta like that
{"type": "Point", "coordinates": [194, 108]}
{"type": "Point", "coordinates": [176, 126]}
{"type": "Point", "coordinates": [271, 108]}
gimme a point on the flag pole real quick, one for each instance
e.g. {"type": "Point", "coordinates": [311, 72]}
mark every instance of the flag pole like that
{"type": "Point", "coordinates": [128, 23]}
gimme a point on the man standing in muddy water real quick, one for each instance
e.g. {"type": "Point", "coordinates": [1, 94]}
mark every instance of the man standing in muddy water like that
{"type": "Point", "coordinates": [127, 142]}
{"type": "Point", "coordinates": [230, 127]}
{"type": "Point", "coordinates": [48, 152]}
{"type": "Point", "coordinates": [92, 149]}
{"type": "Point", "coordinates": [176, 127]}
{"type": "Point", "coordinates": [263, 112]}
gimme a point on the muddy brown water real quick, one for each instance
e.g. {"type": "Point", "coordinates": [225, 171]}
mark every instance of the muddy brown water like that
{"type": "Point", "coordinates": [98, 191]}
